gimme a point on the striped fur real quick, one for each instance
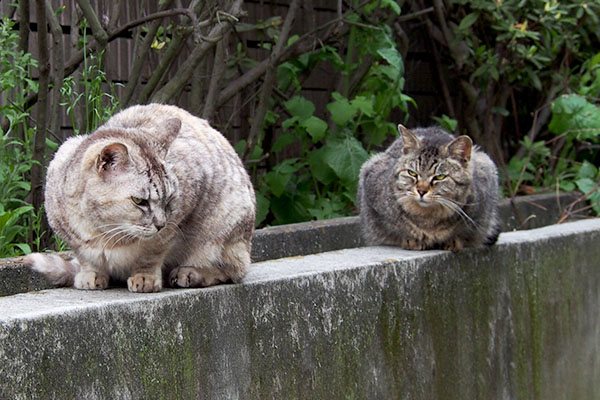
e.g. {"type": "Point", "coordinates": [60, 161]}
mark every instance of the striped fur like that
{"type": "Point", "coordinates": [429, 190]}
{"type": "Point", "coordinates": [154, 196]}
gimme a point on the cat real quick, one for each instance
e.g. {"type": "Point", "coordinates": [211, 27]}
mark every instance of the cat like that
{"type": "Point", "coordinates": [429, 190]}
{"type": "Point", "coordinates": [155, 196]}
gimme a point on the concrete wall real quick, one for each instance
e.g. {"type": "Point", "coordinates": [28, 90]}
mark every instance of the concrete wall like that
{"type": "Point", "coordinates": [516, 321]}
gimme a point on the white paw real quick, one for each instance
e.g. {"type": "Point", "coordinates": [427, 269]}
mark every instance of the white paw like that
{"type": "Point", "coordinates": [90, 280]}
{"type": "Point", "coordinates": [144, 283]}
{"type": "Point", "coordinates": [196, 277]}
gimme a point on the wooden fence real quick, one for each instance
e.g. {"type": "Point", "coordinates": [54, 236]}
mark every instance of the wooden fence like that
{"type": "Point", "coordinates": [421, 75]}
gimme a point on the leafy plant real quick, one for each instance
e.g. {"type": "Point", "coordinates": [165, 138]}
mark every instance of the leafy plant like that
{"type": "Point", "coordinates": [320, 182]}
{"type": "Point", "coordinates": [15, 144]}
{"type": "Point", "coordinates": [566, 161]}
{"type": "Point", "coordinates": [20, 224]}
{"type": "Point", "coordinates": [93, 92]}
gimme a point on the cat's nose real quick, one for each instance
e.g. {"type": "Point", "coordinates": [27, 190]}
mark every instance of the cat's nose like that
{"type": "Point", "coordinates": [159, 225]}
{"type": "Point", "coordinates": [422, 192]}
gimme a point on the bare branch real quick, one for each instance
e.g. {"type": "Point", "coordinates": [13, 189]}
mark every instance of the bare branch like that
{"type": "Point", "coordinates": [187, 69]}
{"type": "Point", "coordinates": [57, 67]}
{"type": "Point", "coordinates": [99, 33]}
{"type": "Point", "coordinates": [166, 60]}
{"type": "Point", "coordinates": [24, 25]}
{"type": "Point", "coordinates": [140, 57]}
{"type": "Point", "coordinates": [302, 45]}
{"type": "Point", "coordinates": [270, 77]}
{"type": "Point", "coordinates": [217, 73]}
{"type": "Point", "coordinates": [39, 143]}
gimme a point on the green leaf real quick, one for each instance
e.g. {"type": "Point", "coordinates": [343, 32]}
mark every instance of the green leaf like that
{"type": "Point", "coordinates": [278, 178]}
{"type": "Point", "coordinates": [573, 113]}
{"type": "Point", "coordinates": [500, 110]}
{"type": "Point", "coordinates": [52, 145]}
{"type": "Point", "coordinates": [283, 140]}
{"type": "Point", "coordinates": [262, 208]}
{"type": "Point", "coordinates": [467, 21]}
{"type": "Point", "coordinates": [391, 4]}
{"type": "Point", "coordinates": [299, 107]}
{"type": "Point", "coordinates": [585, 184]}
{"type": "Point", "coordinates": [447, 123]}
{"type": "Point", "coordinates": [364, 104]}
{"type": "Point", "coordinates": [319, 167]}
{"type": "Point", "coordinates": [277, 182]}
{"type": "Point", "coordinates": [315, 127]}
{"type": "Point", "coordinates": [392, 56]}
{"type": "Point", "coordinates": [287, 209]}
{"type": "Point", "coordinates": [341, 110]}
{"type": "Point", "coordinates": [345, 157]}
{"type": "Point", "coordinates": [288, 123]}
{"type": "Point", "coordinates": [587, 170]}
{"type": "Point", "coordinates": [24, 247]}
{"type": "Point", "coordinates": [566, 186]}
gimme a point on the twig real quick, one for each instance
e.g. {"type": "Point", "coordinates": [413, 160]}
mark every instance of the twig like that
{"type": "Point", "coordinates": [99, 33]}
{"type": "Point", "coordinates": [417, 14]}
{"type": "Point", "coordinates": [186, 70]}
{"type": "Point", "coordinates": [165, 62]}
{"type": "Point", "coordinates": [139, 57]}
{"type": "Point", "coordinates": [217, 73]}
{"type": "Point", "coordinates": [73, 63]}
{"type": "Point", "coordinates": [270, 77]}
{"type": "Point", "coordinates": [298, 47]}
{"type": "Point", "coordinates": [569, 209]}
{"type": "Point", "coordinates": [39, 141]}
{"type": "Point", "coordinates": [57, 66]}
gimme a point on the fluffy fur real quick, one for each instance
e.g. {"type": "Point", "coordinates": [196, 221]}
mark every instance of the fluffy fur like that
{"type": "Point", "coordinates": [153, 195]}
{"type": "Point", "coordinates": [429, 190]}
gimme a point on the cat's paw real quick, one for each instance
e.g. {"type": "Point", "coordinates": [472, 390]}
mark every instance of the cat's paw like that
{"type": "Point", "coordinates": [413, 244]}
{"type": "Point", "coordinates": [454, 245]}
{"type": "Point", "coordinates": [144, 283]}
{"type": "Point", "coordinates": [90, 280]}
{"type": "Point", "coordinates": [196, 277]}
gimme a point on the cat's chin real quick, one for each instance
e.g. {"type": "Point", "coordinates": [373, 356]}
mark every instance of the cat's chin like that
{"type": "Point", "coordinates": [424, 207]}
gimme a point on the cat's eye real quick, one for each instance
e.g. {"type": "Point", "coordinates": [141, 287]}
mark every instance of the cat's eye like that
{"type": "Point", "coordinates": [412, 173]}
{"type": "Point", "coordinates": [138, 201]}
{"type": "Point", "coordinates": [440, 177]}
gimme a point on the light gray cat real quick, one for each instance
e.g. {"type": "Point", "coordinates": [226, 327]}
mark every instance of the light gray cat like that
{"type": "Point", "coordinates": [153, 194]}
{"type": "Point", "coordinates": [429, 190]}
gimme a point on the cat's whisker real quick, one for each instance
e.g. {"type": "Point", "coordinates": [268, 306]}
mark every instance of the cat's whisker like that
{"type": "Point", "coordinates": [453, 206]}
{"type": "Point", "coordinates": [108, 232]}
{"type": "Point", "coordinates": [177, 230]}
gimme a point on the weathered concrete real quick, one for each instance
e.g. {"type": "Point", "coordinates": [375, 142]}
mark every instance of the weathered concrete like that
{"type": "Point", "coordinates": [516, 321]}
{"type": "Point", "coordinates": [525, 212]}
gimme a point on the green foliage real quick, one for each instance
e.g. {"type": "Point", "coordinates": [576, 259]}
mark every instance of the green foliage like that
{"type": "Point", "coordinates": [567, 161]}
{"type": "Point", "coordinates": [20, 224]}
{"type": "Point", "coordinates": [321, 182]}
{"type": "Point", "coordinates": [93, 92]}
{"type": "Point", "coordinates": [16, 214]}
{"type": "Point", "coordinates": [523, 40]}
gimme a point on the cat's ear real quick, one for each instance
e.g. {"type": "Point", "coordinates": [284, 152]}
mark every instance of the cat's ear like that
{"type": "Point", "coordinates": [460, 148]}
{"type": "Point", "coordinates": [113, 158]}
{"type": "Point", "coordinates": [169, 130]}
{"type": "Point", "coordinates": [410, 140]}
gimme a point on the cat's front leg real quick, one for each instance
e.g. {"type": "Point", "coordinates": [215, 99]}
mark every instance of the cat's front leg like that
{"type": "Point", "coordinates": [454, 245]}
{"type": "Point", "coordinates": [196, 277]}
{"type": "Point", "coordinates": [413, 244]}
{"type": "Point", "coordinates": [90, 280]}
{"type": "Point", "coordinates": [144, 282]}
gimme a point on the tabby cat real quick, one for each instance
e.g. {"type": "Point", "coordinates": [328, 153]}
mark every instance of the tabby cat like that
{"type": "Point", "coordinates": [429, 190]}
{"type": "Point", "coordinates": [155, 195]}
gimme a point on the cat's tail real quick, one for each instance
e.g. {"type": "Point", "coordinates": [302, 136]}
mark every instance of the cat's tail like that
{"type": "Point", "coordinates": [493, 235]}
{"type": "Point", "coordinates": [58, 270]}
